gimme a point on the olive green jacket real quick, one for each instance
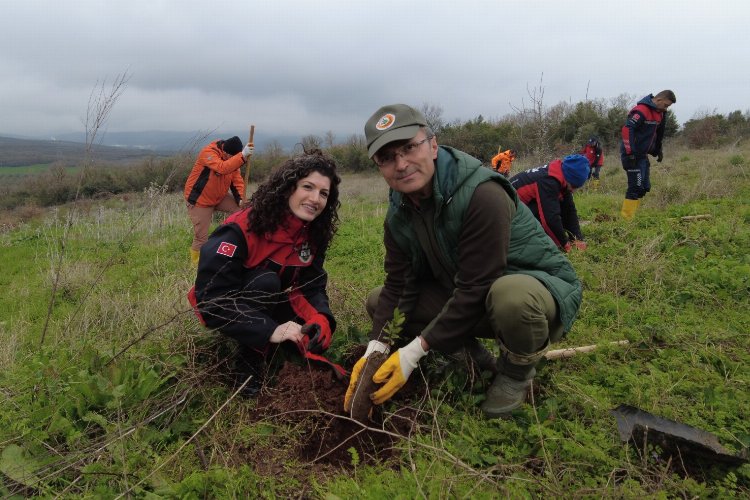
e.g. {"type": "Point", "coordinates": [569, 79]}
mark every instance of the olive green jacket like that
{"type": "Point", "coordinates": [530, 251]}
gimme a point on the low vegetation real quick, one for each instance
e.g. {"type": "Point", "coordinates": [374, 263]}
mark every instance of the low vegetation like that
{"type": "Point", "coordinates": [537, 132]}
{"type": "Point", "coordinates": [111, 388]}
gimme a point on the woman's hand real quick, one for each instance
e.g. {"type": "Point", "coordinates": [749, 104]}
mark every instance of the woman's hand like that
{"type": "Point", "coordinates": [287, 331]}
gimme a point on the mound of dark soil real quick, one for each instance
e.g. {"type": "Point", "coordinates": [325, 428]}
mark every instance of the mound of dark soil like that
{"type": "Point", "coordinates": [308, 400]}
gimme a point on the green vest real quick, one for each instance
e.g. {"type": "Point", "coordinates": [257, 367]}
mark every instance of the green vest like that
{"type": "Point", "coordinates": [531, 251]}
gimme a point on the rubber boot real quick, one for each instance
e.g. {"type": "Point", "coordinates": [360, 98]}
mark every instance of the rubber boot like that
{"type": "Point", "coordinates": [595, 184]}
{"type": "Point", "coordinates": [508, 390]}
{"type": "Point", "coordinates": [194, 256]}
{"type": "Point", "coordinates": [629, 208]}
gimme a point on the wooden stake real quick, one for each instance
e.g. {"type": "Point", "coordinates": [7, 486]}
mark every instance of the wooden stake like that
{"type": "Point", "coordinates": [247, 165]}
{"type": "Point", "coordinates": [695, 217]}
{"type": "Point", "coordinates": [572, 351]}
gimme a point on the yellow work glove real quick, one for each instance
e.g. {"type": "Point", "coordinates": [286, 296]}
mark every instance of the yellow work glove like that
{"type": "Point", "coordinates": [396, 370]}
{"type": "Point", "coordinates": [374, 345]}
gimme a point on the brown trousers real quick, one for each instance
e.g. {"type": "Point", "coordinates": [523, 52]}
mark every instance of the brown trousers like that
{"type": "Point", "coordinates": [201, 218]}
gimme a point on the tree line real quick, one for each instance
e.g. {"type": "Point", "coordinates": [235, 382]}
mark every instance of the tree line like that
{"type": "Point", "coordinates": [534, 131]}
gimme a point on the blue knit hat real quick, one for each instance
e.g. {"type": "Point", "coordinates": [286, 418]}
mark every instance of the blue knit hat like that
{"type": "Point", "coordinates": [575, 169]}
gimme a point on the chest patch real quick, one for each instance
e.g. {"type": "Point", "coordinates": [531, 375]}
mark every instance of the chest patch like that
{"type": "Point", "coordinates": [304, 253]}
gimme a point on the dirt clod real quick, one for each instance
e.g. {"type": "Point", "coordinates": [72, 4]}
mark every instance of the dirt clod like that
{"type": "Point", "coordinates": [361, 402]}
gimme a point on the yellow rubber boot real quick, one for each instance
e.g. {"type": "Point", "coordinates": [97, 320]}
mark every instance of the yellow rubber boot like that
{"type": "Point", "coordinates": [194, 256]}
{"type": "Point", "coordinates": [595, 184]}
{"type": "Point", "coordinates": [629, 208]}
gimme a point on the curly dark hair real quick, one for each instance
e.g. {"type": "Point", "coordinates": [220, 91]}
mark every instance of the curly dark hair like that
{"type": "Point", "coordinates": [270, 202]}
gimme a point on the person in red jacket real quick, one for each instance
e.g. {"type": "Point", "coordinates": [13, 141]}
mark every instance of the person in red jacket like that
{"type": "Point", "coordinates": [548, 192]}
{"type": "Point", "coordinates": [592, 150]}
{"type": "Point", "coordinates": [261, 279]}
{"type": "Point", "coordinates": [215, 183]}
{"type": "Point", "coordinates": [642, 135]}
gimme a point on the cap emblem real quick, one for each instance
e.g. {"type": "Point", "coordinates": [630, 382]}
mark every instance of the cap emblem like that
{"type": "Point", "coordinates": [385, 122]}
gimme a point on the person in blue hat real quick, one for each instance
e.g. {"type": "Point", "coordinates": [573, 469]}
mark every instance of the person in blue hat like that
{"type": "Point", "coordinates": [548, 192]}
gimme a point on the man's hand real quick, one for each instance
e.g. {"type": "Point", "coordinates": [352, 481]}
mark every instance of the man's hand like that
{"type": "Point", "coordinates": [373, 346]}
{"type": "Point", "coordinates": [580, 244]}
{"type": "Point", "coordinates": [319, 333]}
{"type": "Point", "coordinates": [567, 247]}
{"type": "Point", "coordinates": [247, 151]}
{"type": "Point", "coordinates": [631, 162]}
{"type": "Point", "coordinates": [659, 156]}
{"type": "Point", "coordinates": [396, 370]}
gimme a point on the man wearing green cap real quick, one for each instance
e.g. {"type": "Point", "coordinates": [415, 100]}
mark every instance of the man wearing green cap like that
{"type": "Point", "coordinates": [464, 260]}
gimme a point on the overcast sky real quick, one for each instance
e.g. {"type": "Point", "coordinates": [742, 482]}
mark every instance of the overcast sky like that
{"type": "Point", "coordinates": [306, 67]}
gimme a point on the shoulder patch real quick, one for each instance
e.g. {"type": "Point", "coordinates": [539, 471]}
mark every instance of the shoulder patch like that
{"type": "Point", "coordinates": [226, 249]}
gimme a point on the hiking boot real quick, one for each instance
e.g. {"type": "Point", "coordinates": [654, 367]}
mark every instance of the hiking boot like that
{"type": "Point", "coordinates": [474, 355]}
{"type": "Point", "coordinates": [481, 356]}
{"type": "Point", "coordinates": [249, 363]}
{"type": "Point", "coordinates": [504, 395]}
{"type": "Point", "coordinates": [253, 387]}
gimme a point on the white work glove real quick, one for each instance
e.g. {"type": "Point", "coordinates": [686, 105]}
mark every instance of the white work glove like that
{"type": "Point", "coordinates": [247, 151]}
{"type": "Point", "coordinates": [372, 346]}
{"type": "Point", "coordinates": [376, 345]}
{"type": "Point", "coordinates": [396, 370]}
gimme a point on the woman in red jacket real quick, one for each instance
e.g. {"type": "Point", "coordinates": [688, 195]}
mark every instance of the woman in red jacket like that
{"type": "Point", "coordinates": [260, 276]}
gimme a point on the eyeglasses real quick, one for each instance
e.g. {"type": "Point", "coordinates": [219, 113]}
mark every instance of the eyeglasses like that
{"type": "Point", "coordinates": [388, 159]}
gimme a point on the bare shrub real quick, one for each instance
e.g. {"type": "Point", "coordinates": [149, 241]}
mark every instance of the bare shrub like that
{"type": "Point", "coordinates": [702, 133]}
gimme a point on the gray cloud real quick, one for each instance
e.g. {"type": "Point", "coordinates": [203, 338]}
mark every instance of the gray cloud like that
{"type": "Point", "coordinates": [298, 67]}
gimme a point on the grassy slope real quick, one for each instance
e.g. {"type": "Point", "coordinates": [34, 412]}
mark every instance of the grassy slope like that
{"type": "Point", "coordinates": [677, 289]}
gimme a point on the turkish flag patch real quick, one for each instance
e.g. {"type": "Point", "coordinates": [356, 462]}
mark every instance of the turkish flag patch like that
{"type": "Point", "coordinates": [226, 249]}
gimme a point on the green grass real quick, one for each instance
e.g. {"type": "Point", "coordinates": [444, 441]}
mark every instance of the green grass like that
{"type": "Point", "coordinates": [32, 170]}
{"type": "Point", "coordinates": [78, 423]}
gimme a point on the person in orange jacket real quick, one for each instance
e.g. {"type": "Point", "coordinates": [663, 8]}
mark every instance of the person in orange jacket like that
{"type": "Point", "coordinates": [502, 161]}
{"type": "Point", "coordinates": [215, 183]}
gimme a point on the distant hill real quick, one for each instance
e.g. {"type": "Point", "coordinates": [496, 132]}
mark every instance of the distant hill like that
{"type": "Point", "coordinates": [20, 152]}
{"type": "Point", "coordinates": [119, 147]}
{"type": "Point", "coordinates": [171, 141]}
{"type": "Point", "coordinates": [146, 140]}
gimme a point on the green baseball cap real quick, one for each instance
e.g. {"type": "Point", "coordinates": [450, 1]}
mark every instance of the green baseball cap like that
{"type": "Point", "coordinates": [395, 122]}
